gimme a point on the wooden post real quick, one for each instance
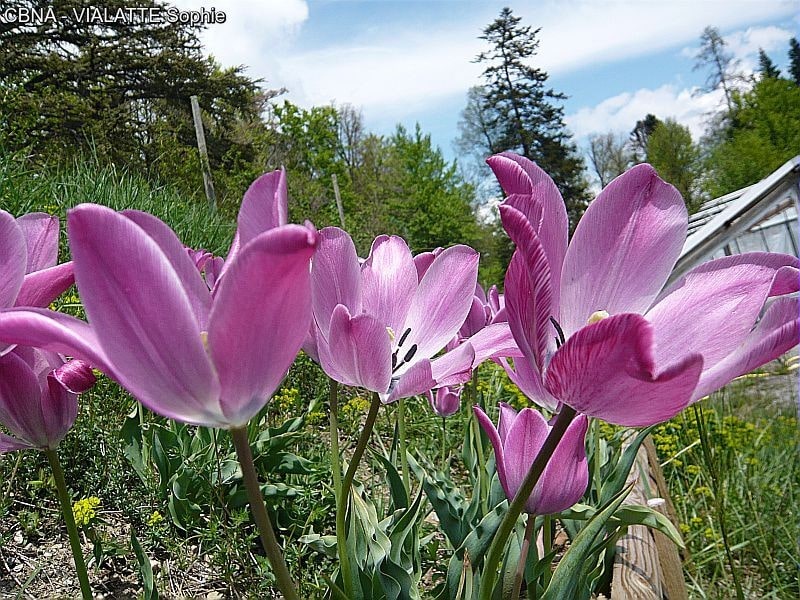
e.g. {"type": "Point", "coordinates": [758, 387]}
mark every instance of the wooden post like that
{"type": "Point", "coordinates": [339, 206]}
{"type": "Point", "coordinates": [208, 183]}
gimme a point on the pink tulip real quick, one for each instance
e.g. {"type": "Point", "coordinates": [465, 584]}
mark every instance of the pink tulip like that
{"type": "Point", "coordinates": [445, 401]}
{"type": "Point", "coordinates": [39, 397]}
{"type": "Point", "coordinates": [378, 324]}
{"type": "Point", "coordinates": [29, 275]}
{"type": "Point", "coordinates": [518, 439]}
{"type": "Point", "coordinates": [633, 354]}
{"type": "Point", "coordinates": [205, 357]}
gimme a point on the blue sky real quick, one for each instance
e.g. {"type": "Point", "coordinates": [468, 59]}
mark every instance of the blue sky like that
{"type": "Point", "coordinates": [410, 61]}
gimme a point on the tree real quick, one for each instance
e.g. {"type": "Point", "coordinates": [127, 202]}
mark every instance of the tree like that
{"type": "Point", "coordinates": [765, 65]}
{"type": "Point", "coordinates": [794, 60]}
{"type": "Point", "coordinates": [672, 153]}
{"type": "Point", "coordinates": [610, 156]}
{"type": "Point", "coordinates": [515, 110]}
{"type": "Point", "coordinates": [764, 134]}
{"type": "Point", "coordinates": [640, 136]}
{"type": "Point", "coordinates": [120, 89]}
{"type": "Point", "coordinates": [714, 56]}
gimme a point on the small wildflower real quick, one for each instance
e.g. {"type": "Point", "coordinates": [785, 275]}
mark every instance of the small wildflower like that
{"type": "Point", "coordinates": [84, 510]}
{"type": "Point", "coordinates": [154, 519]}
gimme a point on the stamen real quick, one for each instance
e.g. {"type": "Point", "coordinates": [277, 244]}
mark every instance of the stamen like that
{"type": "Point", "coordinates": [204, 339]}
{"type": "Point", "coordinates": [560, 332]}
{"type": "Point", "coordinates": [394, 361]}
{"type": "Point", "coordinates": [390, 331]}
{"type": "Point", "coordinates": [596, 316]}
{"type": "Point", "coordinates": [403, 337]}
{"type": "Point", "coordinates": [410, 354]}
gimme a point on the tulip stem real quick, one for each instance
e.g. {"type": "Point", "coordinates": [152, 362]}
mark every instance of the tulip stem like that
{"type": "Point", "coordinates": [336, 470]}
{"type": "Point", "coordinates": [547, 546]}
{"type": "Point", "coordinates": [69, 518]}
{"type": "Point", "coordinates": [483, 482]}
{"type": "Point", "coordinates": [495, 553]}
{"type": "Point", "coordinates": [401, 427]}
{"type": "Point", "coordinates": [260, 515]}
{"type": "Point", "coordinates": [598, 482]}
{"type": "Point", "coordinates": [523, 556]}
{"type": "Point", "coordinates": [444, 443]}
{"type": "Point", "coordinates": [347, 483]}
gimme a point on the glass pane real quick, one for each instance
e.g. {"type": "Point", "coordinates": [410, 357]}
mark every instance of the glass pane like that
{"type": "Point", "coordinates": [778, 239]}
{"type": "Point", "coordinates": [751, 242]}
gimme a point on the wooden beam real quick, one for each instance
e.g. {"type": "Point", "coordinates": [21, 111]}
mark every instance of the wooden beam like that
{"type": "Point", "coordinates": [208, 182]}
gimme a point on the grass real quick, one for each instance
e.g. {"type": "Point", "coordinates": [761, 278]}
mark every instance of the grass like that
{"type": "Point", "coordinates": [186, 504]}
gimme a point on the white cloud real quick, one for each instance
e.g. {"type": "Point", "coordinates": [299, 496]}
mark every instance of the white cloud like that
{"type": "Point", "coordinates": [620, 113]}
{"type": "Point", "coordinates": [744, 45]}
{"type": "Point", "coordinates": [390, 68]}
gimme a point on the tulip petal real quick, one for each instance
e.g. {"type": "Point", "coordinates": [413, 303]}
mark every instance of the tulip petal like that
{"type": "Point", "coordinates": [186, 270]}
{"type": "Point", "coordinates": [13, 259]}
{"type": "Point", "coordinates": [41, 237]}
{"type": "Point", "coordinates": [335, 277]}
{"type": "Point", "coordinates": [20, 400]}
{"type": "Point", "coordinates": [607, 370]}
{"type": "Point", "coordinates": [446, 402]}
{"type": "Point", "coordinates": [9, 444]}
{"type": "Point", "coordinates": [442, 300]}
{"type": "Point", "coordinates": [388, 281]}
{"type": "Point", "coordinates": [55, 332]}
{"type": "Point", "coordinates": [566, 476]}
{"type": "Point", "coordinates": [415, 381]}
{"type": "Point", "coordinates": [493, 341]}
{"type": "Point", "coordinates": [529, 302]}
{"type": "Point", "coordinates": [494, 438]}
{"type": "Point", "coordinates": [776, 333]}
{"type": "Point", "coordinates": [712, 309]}
{"type": "Point", "coordinates": [532, 192]}
{"type": "Point", "coordinates": [528, 379]}
{"type": "Point", "coordinates": [358, 352]}
{"type": "Point", "coordinates": [261, 314]}
{"type": "Point", "coordinates": [264, 206]}
{"type": "Point", "coordinates": [41, 287]}
{"type": "Point", "coordinates": [524, 439]}
{"type": "Point", "coordinates": [623, 249]}
{"type": "Point", "coordinates": [142, 317]}
{"type": "Point", "coordinates": [477, 318]}
{"type": "Point", "coordinates": [505, 420]}
{"type": "Point", "coordinates": [59, 411]}
{"type": "Point", "coordinates": [76, 376]}
{"type": "Point", "coordinates": [454, 367]}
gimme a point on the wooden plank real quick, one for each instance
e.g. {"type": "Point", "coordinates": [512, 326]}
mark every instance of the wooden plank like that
{"type": "Point", "coordinates": [647, 565]}
{"type": "Point", "coordinates": [208, 182]}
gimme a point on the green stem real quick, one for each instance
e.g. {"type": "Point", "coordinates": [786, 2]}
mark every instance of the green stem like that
{"type": "Point", "coordinates": [495, 553]}
{"type": "Point", "coordinates": [547, 546]}
{"type": "Point", "coordinates": [444, 442]}
{"type": "Point", "coordinates": [523, 557]}
{"type": "Point", "coordinates": [259, 511]}
{"type": "Point", "coordinates": [336, 470]}
{"type": "Point", "coordinates": [69, 518]}
{"type": "Point", "coordinates": [596, 438]}
{"type": "Point", "coordinates": [347, 483]}
{"type": "Point", "coordinates": [483, 482]}
{"type": "Point", "coordinates": [401, 422]}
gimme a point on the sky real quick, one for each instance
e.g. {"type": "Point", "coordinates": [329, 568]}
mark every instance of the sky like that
{"type": "Point", "coordinates": [411, 61]}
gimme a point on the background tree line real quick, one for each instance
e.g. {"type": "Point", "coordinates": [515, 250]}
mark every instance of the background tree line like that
{"type": "Point", "coordinates": [119, 94]}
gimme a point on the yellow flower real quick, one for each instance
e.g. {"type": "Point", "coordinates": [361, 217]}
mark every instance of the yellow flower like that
{"type": "Point", "coordinates": [154, 519]}
{"type": "Point", "coordinates": [84, 510]}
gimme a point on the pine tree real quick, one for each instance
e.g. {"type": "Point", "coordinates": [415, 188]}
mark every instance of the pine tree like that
{"type": "Point", "coordinates": [794, 60]}
{"type": "Point", "coordinates": [713, 55]}
{"type": "Point", "coordinates": [640, 136]}
{"type": "Point", "coordinates": [515, 110]}
{"type": "Point", "coordinates": [765, 65]}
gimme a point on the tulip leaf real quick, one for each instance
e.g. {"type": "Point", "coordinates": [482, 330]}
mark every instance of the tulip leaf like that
{"type": "Point", "coordinates": [145, 569]}
{"type": "Point", "coordinates": [615, 481]}
{"type": "Point", "coordinates": [324, 544]}
{"type": "Point", "coordinates": [569, 576]}
{"type": "Point", "coordinates": [397, 490]}
{"type": "Point", "coordinates": [630, 514]}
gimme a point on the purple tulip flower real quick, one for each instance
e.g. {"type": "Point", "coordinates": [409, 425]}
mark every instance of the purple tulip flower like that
{"type": "Point", "coordinates": [379, 323]}
{"type": "Point", "coordinates": [29, 275]}
{"type": "Point", "coordinates": [39, 397]}
{"type": "Point", "coordinates": [516, 442]}
{"type": "Point", "coordinates": [445, 401]}
{"type": "Point", "coordinates": [204, 357]}
{"type": "Point", "coordinates": [633, 355]}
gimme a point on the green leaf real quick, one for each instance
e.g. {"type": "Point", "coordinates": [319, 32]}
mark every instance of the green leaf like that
{"type": "Point", "coordinates": [567, 581]}
{"type": "Point", "coordinates": [145, 569]}
{"type": "Point", "coordinates": [616, 481]}
{"type": "Point", "coordinates": [397, 490]}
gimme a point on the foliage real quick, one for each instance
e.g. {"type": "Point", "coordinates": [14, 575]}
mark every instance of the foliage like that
{"type": "Point", "coordinates": [675, 156]}
{"type": "Point", "coordinates": [766, 67]}
{"type": "Point", "coordinates": [640, 136]}
{"type": "Point", "coordinates": [794, 60]}
{"type": "Point", "coordinates": [722, 66]}
{"type": "Point", "coordinates": [609, 155]}
{"type": "Point", "coordinates": [764, 133]}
